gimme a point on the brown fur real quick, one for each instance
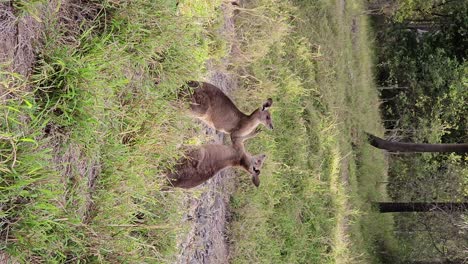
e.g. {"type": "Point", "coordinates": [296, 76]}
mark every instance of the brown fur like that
{"type": "Point", "coordinates": [202, 163]}
{"type": "Point", "coordinates": [213, 107]}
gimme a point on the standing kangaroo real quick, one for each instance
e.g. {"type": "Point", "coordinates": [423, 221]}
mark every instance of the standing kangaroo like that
{"type": "Point", "coordinates": [202, 163]}
{"type": "Point", "coordinates": [214, 108]}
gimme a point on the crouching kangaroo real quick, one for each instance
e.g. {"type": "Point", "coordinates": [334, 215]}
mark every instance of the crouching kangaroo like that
{"type": "Point", "coordinates": [213, 107]}
{"type": "Point", "coordinates": [202, 163]}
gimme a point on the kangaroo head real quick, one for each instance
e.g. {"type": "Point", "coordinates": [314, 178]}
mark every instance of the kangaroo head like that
{"type": "Point", "coordinates": [256, 163]}
{"type": "Point", "coordinates": [264, 114]}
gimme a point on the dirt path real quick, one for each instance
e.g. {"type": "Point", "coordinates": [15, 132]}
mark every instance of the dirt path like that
{"type": "Point", "coordinates": [207, 242]}
{"type": "Point", "coordinates": [18, 34]}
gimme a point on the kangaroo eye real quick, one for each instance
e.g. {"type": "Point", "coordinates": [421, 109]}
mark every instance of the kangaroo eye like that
{"type": "Point", "coordinates": [268, 117]}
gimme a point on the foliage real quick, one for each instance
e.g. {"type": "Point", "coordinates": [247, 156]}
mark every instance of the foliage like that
{"type": "Point", "coordinates": [422, 68]}
{"type": "Point", "coordinates": [426, 9]}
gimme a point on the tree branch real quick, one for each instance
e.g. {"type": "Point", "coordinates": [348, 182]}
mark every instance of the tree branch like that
{"type": "Point", "coordinates": [415, 147]}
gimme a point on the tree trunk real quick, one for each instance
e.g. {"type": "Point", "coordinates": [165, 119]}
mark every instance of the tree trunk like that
{"type": "Point", "coordinates": [420, 207]}
{"type": "Point", "coordinates": [423, 26]}
{"type": "Point", "coordinates": [441, 261]}
{"type": "Point", "coordinates": [381, 88]}
{"type": "Point", "coordinates": [415, 147]}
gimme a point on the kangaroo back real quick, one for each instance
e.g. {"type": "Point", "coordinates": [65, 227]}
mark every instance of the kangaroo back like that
{"type": "Point", "coordinates": [201, 164]}
{"type": "Point", "coordinates": [217, 110]}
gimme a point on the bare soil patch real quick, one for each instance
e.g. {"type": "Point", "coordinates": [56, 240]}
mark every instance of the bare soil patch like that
{"type": "Point", "coordinates": [18, 35]}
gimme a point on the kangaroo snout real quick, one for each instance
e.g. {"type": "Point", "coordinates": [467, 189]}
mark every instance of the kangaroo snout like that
{"type": "Point", "coordinates": [256, 172]}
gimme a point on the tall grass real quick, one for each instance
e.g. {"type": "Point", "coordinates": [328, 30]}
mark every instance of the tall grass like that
{"type": "Point", "coordinates": [313, 202]}
{"type": "Point", "coordinates": [84, 151]}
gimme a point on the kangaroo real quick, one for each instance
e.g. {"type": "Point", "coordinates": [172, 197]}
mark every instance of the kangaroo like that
{"type": "Point", "coordinates": [202, 163]}
{"type": "Point", "coordinates": [213, 107]}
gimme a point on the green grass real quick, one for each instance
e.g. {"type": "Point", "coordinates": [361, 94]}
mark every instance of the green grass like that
{"type": "Point", "coordinates": [313, 205]}
{"type": "Point", "coordinates": [104, 105]}
{"type": "Point", "coordinates": [108, 100]}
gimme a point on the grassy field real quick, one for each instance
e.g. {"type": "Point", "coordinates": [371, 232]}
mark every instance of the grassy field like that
{"type": "Point", "coordinates": [85, 140]}
{"type": "Point", "coordinates": [315, 59]}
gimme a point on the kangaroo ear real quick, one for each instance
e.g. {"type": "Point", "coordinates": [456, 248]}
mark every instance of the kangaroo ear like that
{"type": "Point", "coordinates": [267, 104]}
{"type": "Point", "coordinates": [193, 84]}
{"type": "Point", "coordinates": [262, 158]}
{"type": "Point", "coordinates": [256, 180]}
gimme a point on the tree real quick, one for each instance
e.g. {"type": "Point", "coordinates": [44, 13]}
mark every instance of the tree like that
{"type": "Point", "coordinates": [415, 147]}
{"type": "Point", "coordinates": [439, 261]}
{"type": "Point", "coordinates": [391, 207]}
